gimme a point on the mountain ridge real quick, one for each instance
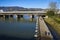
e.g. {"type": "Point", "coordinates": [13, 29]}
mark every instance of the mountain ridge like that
{"type": "Point", "coordinates": [16, 8]}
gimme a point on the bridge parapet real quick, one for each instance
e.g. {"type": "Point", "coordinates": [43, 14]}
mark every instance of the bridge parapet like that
{"type": "Point", "coordinates": [24, 12]}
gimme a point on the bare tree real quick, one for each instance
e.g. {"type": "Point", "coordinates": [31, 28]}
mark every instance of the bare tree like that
{"type": "Point", "coordinates": [53, 6]}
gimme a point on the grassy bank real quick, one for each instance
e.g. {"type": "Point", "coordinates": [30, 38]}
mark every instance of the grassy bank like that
{"type": "Point", "coordinates": [54, 22]}
{"type": "Point", "coordinates": [56, 19]}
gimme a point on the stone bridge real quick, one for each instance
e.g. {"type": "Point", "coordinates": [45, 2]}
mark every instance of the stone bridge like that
{"type": "Point", "coordinates": [21, 13]}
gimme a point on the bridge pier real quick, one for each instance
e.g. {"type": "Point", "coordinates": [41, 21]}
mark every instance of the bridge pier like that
{"type": "Point", "coordinates": [15, 16]}
{"type": "Point", "coordinates": [31, 16]}
{"type": "Point", "coordinates": [1, 15]}
{"type": "Point", "coordinates": [7, 16]}
{"type": "Point", "coordinates": [19, 16]}
{"type": "Point", "coordinates": [11, 16]}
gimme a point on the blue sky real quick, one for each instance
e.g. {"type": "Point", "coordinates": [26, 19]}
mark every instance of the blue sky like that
{"type": "Point", "coordinates": [28, 3]}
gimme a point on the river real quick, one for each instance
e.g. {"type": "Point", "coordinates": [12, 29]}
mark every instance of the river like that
{"type": "Point", "coordinates": [17, 29]}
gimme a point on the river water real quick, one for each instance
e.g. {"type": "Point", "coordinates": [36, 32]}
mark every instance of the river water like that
{"type": "Point", "coordinates": [17, 29]}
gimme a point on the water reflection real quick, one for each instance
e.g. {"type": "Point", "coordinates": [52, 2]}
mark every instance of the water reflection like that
{"type": "Point", "coordinates": [18, 19]}
{"type": "Point", "coordinates": [17, 29]}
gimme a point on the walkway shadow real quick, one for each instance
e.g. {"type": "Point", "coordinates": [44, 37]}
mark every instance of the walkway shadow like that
{"type": "Point", "coordinates": [54, 33]}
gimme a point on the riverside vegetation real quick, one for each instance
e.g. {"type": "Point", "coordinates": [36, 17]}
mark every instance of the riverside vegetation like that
{"type": "Point", "coordinates": [54, 21]}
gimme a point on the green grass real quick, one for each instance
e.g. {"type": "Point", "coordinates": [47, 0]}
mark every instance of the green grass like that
{"type": "Point", "coordinates": [56, 19]}
{"type": "Point", "coordinates": [53, 22]}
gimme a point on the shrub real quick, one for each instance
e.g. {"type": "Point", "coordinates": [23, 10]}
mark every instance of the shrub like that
{"type": "Point", "coordinates": [50, 13]}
